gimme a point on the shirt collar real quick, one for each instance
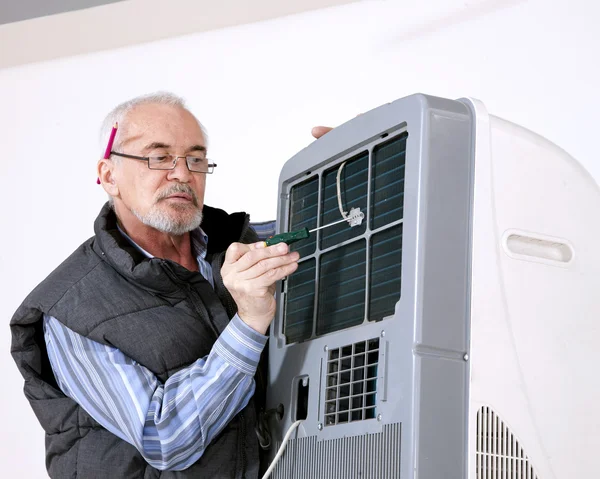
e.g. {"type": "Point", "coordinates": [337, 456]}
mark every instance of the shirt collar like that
{"type": "Point", "coordinates": [198, 238]}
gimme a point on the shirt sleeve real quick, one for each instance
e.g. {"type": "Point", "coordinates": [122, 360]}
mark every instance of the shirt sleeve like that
{"type": "Point", "coordinates": [265, 229]}
{"type": "Point", "coordinates": [170, 424]}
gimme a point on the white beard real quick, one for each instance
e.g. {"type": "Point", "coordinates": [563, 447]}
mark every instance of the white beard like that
{"type": "Point", "coordinates": [162, 221]}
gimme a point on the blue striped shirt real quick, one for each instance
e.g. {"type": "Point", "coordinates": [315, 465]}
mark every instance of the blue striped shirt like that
{"type": "Point", "coordinates": [199, 242]}
{"type": "Point", "coordinates": [170, 424]}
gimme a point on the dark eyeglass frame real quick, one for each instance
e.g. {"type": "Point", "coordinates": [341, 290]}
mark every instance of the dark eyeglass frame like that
{"type": "Point", "coordinates": [210, 166]}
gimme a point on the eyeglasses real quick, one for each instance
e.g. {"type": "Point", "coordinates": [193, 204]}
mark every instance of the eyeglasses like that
{"type": "Point", "coordinates": [197, 164]}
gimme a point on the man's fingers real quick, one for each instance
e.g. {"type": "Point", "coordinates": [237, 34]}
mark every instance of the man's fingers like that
{"type": "Point", "coordinates": [235, 252]}
{"type": "Point", "coordinates": [265, 266]}
{"type": "Point", "coordinates": [319, 131]}
{"type": "Point", "coordinates": [278, 273]}
{"type": "Point", "coordinates": [273, 275]}
{"type": "Point", "coordinates": [255, 253]}
{"type": "Point", "coordinates": [250, 273]}
{"type": "Point", "coordinates": [238, 250]}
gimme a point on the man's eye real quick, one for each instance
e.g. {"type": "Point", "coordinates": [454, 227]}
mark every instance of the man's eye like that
{"type": "Point", "coordinates": [196, 160]}
{"type": "Point", "coordinates": [159, 159]}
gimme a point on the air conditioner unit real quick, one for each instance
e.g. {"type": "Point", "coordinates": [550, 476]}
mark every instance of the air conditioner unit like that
{"type": "Point", "coordinates": [455, 331]}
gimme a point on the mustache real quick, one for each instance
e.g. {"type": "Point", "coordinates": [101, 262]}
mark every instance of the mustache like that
{"type": "Point", "coordinates": [177, 188]}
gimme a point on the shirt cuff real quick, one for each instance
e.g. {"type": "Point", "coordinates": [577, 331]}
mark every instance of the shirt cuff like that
{"type": "Point", "coordinates": [265, 229]}
{"type": "Point", "coordinates": [240, 346]}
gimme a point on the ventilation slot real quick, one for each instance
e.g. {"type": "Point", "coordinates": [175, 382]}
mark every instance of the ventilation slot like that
{"type": "Point", "coordinates": [387, 182]}
{"type": "Point", "coordinates": [303, 213]}
{"type": "Point", "coordinates": [351, 392]}
{"type": "Point", "coordinates": [498, 453]}
{"type": "Point", "coordinates": [354, 184]}
{"type": "Point", "coordinates": [386, 265]}
{"type": "Point", "coordinates": [342, 282]}
{"type": "Point", "coordinates": [299, 311]}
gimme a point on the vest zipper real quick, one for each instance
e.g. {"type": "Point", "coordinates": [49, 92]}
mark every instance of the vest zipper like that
{"type": "Point", "coordinates": [194, 298]}
{"type": "Point", "coordinates": [222, 292]}
{"type": "Point", "coordinates": [231, 309]}
{"type": "Point", "coordinates": [201, 309]}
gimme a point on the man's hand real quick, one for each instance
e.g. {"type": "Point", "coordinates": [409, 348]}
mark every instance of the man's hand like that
{"type": "Point", "coordinates": [250, 273]}
{"type": "Point", "coordinates": [319, 131]}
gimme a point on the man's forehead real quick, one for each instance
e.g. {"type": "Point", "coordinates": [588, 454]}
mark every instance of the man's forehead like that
{"type": "Point", "coordinates": [164, 124]}
{"type": "Point", "coordinates": [169, 117]}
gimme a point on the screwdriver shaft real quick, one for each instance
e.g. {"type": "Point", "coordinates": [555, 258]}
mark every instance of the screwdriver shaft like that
{"type": "Point", "coordinates": [328, 225]}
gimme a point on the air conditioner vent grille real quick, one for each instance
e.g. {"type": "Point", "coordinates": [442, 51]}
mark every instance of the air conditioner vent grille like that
{"type": "Point", "coordinates": [351, 383]}
{"type": "Point", "coordinates": [498, 452]}
{"type": "Point", "coordinates": [350, 275]}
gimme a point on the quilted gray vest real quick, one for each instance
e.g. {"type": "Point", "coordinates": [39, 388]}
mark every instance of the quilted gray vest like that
{"type": "Point", "coordinates": [109, 292]}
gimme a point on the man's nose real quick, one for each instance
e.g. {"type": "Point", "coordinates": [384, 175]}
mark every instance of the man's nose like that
{"type": "Point", "coordinates": [181, 171]}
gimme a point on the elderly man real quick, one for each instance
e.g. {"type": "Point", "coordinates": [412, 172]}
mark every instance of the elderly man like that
{"type": "Point", "coordinates": [139, 351]}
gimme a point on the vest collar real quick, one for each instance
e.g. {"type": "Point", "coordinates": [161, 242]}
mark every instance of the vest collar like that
{"type": "Point", "coordinates": [156, 274]}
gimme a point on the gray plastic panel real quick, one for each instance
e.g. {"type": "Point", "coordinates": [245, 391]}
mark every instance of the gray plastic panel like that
{"type": "Point", "coordinates": [369, 456]}
{"type": "Point", "coordinates": [421, 373]}
{"type": "Point", "coordinates": [446, 188]}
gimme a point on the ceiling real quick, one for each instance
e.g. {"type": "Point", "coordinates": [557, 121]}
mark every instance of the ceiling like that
{"type": "Point", "coordinates": [16, 11]}
{"type": "Point", "coordinates": [42, 30]}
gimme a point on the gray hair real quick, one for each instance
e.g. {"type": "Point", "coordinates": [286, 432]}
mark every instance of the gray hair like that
{"type": "Point", "coordinates": [120, 112]}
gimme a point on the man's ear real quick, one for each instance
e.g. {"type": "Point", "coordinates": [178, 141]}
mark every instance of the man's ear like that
{"type": "Point", "coordinates": [107, 176]}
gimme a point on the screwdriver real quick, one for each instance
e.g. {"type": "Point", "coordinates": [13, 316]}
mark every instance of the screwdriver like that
{"type": "Point", "coordinates": [293, 236]}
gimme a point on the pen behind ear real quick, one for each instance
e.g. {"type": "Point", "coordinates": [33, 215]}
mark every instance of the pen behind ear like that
{"type": "Point", "coordinates": [109, 146]}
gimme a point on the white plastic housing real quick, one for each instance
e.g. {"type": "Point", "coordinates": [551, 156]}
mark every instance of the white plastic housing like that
{"type": "Point", "coordinates": [535, 325]}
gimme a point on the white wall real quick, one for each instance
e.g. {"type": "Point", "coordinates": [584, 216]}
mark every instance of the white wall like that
{"type": "Point", "coordinates": [258, 89]}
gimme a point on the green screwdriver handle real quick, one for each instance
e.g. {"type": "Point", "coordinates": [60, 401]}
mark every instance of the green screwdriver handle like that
{"type": "Point", "coordinates": [288, 238]}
